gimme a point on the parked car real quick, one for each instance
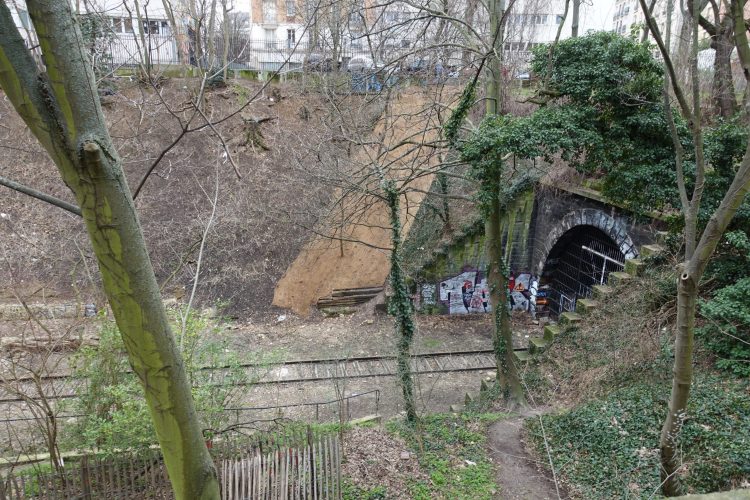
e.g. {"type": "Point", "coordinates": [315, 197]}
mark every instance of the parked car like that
{"type": "Point", "coordinates": [318, 62]}
{"type": "Point", "coordinates": [418, 64]}
{"type": "Point", "coordinates": [360, 63]}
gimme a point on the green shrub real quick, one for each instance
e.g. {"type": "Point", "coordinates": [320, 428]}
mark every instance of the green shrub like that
{"type": "Point", "coordinates": [454, 455]}
{"type": "Point", "coordinates": [609, 448]}
{"type": "Point", "coordinates": [727, 329]}
{"type": "Point", "coordinates": [115, 414]}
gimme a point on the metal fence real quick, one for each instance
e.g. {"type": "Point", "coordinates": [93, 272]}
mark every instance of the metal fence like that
{"type": "Point", "coordinates": [129, 50]}
{"type": "Point", "coordinates": [244, 53]}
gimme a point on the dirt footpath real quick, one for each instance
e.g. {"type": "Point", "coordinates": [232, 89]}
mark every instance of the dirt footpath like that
{"type": "Point", "coordinates": [519, 476]}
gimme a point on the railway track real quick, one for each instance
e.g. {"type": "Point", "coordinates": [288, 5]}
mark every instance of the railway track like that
{"type": "Point", "coordinates": [64, 386]}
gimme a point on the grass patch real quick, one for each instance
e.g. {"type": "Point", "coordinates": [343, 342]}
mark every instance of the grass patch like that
{"type": "Point", "coordinates": [452, 451]}
{"type": "Point", "coordinates": [608, 448]}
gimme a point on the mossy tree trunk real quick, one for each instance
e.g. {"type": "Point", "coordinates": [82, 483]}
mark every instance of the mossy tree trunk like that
{"type": "Point", "coordinates": [62, 109]}
{"type": "Point", "coordinates": [497, 277]}
{"type": "Point", "coordinates": [400, 305]}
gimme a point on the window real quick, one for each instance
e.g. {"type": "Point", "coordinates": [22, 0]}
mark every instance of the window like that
{"type": "Point", "coordinates": [269, 11]}
{"type": "Point", "coordinates": [559, 19]}
{"type": "Point", "coordinates": [124, 25]}
{"type": "Point", "coordinates": [291, 38]}
{"type": "Point", "coordinates": [291, 8]}
{"type": "Point", "coordinates": [270, 38]}
{"type": "Point", "coordinates": [151, 27]}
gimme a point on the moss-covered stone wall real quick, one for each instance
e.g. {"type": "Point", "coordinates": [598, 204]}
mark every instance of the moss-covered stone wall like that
{"type": "Point", "coordinates": [458, 267]}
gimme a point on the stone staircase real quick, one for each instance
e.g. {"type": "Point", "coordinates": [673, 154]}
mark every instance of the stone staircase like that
{"type": "Point", "coordinates": [570, 320]}
{"type": "Point", "coordinates": [341, 300]}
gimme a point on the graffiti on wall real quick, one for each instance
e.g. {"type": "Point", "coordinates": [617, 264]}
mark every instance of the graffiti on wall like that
{"type": "Point", "coordinates": [465, 293]}
{"type": "Point", "coordinates": [468, 293]}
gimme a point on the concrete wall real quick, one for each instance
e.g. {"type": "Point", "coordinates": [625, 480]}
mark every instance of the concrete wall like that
{"type": "Point", "coordinates": [454, 280]}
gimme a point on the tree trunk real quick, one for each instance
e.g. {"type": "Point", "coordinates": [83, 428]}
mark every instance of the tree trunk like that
{"type": "Point", "coordinates": [225, 31]}
{"type": "Point", "coordinates": [495, 64]}
{"type": "Point", "coordinates": [507, 374]}
{"type": "Point", "coordinates": [401, 306]}
{"type": "Point", "coordinates": [443, 184]}
{"type": "Point", "coordinates": [62, 109]}
{"type": "Point", "coordinates": [145, 43]}
{"type": "Point", "coordinates": [722, 89]}
{"type": "Point", "coordinates": [497, 278]}
{"type": "Point", "coordinates": [210, 34]}
{"type": "Point", "coordinates": [687, 291]}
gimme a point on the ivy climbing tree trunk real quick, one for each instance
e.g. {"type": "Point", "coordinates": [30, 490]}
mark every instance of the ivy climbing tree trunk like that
{"type": "Point", "coordinates": [497, 278]}
{"type": "Point", "coordinates": [61, 108]}
{"type": "Point", "coordinates": [400, 304]}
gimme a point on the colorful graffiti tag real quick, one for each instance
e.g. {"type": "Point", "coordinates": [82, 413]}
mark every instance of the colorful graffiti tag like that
{"type": "Point", "coordinates": [465, 293]}
{"type": "Point", "coordinates": [468, 293]}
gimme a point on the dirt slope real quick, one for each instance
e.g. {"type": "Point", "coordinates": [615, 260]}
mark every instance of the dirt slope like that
{"type": "Point", "coordinates": [45, 251]}
{"type": "Point", "coordinates": [325, 264]}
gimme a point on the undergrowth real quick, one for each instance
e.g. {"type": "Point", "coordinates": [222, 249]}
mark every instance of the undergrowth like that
{"type": "Point", "coordinates": [626, 340]}
{"type": "Point", "coordinates": [452, 450]}
{"type": "Point", "coordinates": [609, 447]}
{"type": "Point", "coordinates": [616, 367]}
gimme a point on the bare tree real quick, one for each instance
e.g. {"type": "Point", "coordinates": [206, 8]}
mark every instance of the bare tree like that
{"type": "Point", "coordinates": [699, 244]}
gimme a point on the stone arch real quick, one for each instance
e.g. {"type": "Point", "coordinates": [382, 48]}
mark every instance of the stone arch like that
{"type": "Point", "coordinates": [615, 229]}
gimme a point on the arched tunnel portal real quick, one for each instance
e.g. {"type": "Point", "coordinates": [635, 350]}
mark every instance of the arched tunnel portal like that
{"type": "Point", "coordinates": [580, 253]}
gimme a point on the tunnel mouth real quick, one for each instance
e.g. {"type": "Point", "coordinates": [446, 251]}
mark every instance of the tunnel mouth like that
{"type": "Point", "coordinates": [582, 257]}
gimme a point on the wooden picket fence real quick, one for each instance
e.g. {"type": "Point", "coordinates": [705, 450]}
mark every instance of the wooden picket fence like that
{"type": "Point", "coordinates": [310, 471]}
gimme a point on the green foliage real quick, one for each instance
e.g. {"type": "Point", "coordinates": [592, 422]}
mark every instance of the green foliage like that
{"type": "Point", "coordinates": [97, 36]}
{"type": "Point", "coordinates": [111, 400]}
{"type": "Point", "coordinates": [116, 414]}
{"type": "Point", "coordinates": [609, 71]}
{"type": "Point", "coordinates": [453, 125]}
{"type": "Point", "coordinates": [727, 329]}
{"type": "Point", "coordinates": [605, 117]}
{"type": "Point", "coordinates": [352, 492]}
{"type": "Point", "coordinates": [608, 448]}
{"type": "Point", "coordinates": [454, 455]}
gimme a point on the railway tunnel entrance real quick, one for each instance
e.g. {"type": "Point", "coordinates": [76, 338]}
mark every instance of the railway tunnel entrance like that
{"type": "Point", "coordinates": [582, 257]}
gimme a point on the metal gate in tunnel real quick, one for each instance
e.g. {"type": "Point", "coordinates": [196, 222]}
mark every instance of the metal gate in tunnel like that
{"type": "Point", "coordinates": [582, 257]}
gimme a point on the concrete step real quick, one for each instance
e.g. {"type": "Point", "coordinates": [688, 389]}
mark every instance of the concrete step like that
{"type": "Point", "coordinates": [602, 291]}
{"type": "Point", "coordinates": [569, 318]}
{"type": "Point", "coordinates": [368, 419]}
{"type": "Point", "coordinates": [485, 385]}
{"type": "Point", "coordinates": [537, 344]}
{"type": "Point", "coordinates": [651, 250]}
{"type": "Point", "coordinates": [661, 237]}
{"type": "Point", "coordinates": [618, 278]}
{"type": "Point", "coordinates": [586, 306]}
{"type": "Point", "coordinates": [552, 331]}
{"type": "Point", "coordinates": [522, 356]}
{"type": "Point", "coordinates": [456, 408]}
{"type": "Point", "coordinates": [634, 267]}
